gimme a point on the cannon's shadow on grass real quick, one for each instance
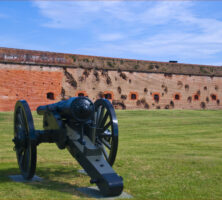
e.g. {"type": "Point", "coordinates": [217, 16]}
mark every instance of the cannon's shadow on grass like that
{"type": "Point", "coordinates": [47, 182]}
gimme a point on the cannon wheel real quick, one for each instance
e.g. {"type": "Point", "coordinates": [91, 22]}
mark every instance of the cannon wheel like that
{"type": "Point", "coordinates": [24, 139]}
{"type": "Point", "coordinates": [106, 129]}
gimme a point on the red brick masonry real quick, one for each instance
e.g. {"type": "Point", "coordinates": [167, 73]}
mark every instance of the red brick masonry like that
{"type": "Point", "coordinates": [32, 86]}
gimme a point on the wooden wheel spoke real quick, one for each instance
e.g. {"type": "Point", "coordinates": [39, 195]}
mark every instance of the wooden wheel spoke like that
{"type": "Point", "coordinates": [98, 114]}
{"type": "Point", "coordinates": [101, 116]}
{"type": "Point", "coordinates": [21, 159]}
{"type": "Point", "coordinates": [104, 152]}
{"type": "Point", "coordinates": [104, 120]}
{"type": "Point", "coordinates": [18, 129]}
{"type": "Point", "coordinates": [19, 121]}
{"type": "Point", "coordinates": [107, 126]}
{"type": "Point", "coordinates": [20, 116]}
{"type": "Point", "coordinates": [27, 159]}
{"type": "Point", "coordinates": [106, 144]}
{"type": "Point", "coordinates": [21, 124]}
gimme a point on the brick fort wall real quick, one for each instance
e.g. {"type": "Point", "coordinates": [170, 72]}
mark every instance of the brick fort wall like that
{"type": "Point", "coordinates": [44, 77]}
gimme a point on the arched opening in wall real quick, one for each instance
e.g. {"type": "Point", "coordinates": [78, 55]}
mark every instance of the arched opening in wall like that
{"type": "Point", "coordinates": [196, 97]}
{"type": "Point", "coordinates": [177, 96]}
{"type": "Point", "coordinates": [133, 96]}
{"type": "Point", "coordinates": [81, 94]}
{"type": "Point", "coordinates": [50, 96]}
{"type": "Point", "coordinates": [156, 97]}
{"type": "Point", "coordinates": [213, 97]}
{"type": "Point", "coordinates": [108, 95]}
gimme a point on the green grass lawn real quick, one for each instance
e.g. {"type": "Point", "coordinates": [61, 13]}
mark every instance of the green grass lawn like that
{"type": "Point", "coordinates": [163, 154]}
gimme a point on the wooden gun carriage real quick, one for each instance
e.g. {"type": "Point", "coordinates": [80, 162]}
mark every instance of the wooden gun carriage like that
{"type": "Point", "coordinates": [88, 130]}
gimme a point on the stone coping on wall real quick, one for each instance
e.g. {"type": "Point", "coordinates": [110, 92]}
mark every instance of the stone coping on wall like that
{"type": "Point", "coordinates": [43, 58]}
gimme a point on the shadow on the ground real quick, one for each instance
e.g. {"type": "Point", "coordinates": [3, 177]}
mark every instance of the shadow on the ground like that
{"type": "Point", "coordinates": [47, 183]}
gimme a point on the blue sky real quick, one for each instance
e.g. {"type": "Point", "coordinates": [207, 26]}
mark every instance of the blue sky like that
{"type": "Point", "coordinates": [187, 31]}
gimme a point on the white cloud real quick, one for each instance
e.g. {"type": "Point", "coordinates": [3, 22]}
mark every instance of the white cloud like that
{"type": "Point", "coordinates": [72, 14]}
{"type": "Point", "coordinates": [110, 36]}
{"type": "Point", "coordinates": [165, 11]}
{"type": "Point", "coordinates": [75, 14]}
{"type": "Point", "coordinates": [164, 28]}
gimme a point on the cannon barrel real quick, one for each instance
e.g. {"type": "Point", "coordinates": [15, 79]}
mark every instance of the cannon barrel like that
{"type": "Point", "coordinates": [78, 108]}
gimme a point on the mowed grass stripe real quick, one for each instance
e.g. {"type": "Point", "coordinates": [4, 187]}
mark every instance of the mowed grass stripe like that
{"type": "Point", "coordinates": [163, 154]}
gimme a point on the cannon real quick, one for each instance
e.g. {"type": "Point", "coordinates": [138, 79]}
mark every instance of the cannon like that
{"type": "Point", "coordinates": [88, 130]}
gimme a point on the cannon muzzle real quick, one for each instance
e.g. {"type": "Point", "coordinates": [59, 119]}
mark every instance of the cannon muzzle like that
{"type": "Point", "coordinates": [78, 108]}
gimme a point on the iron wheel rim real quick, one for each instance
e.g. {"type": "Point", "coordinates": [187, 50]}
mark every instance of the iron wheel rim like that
{"type": "Point", "coordinates": [24, 138]}
{"type": "Point", "coordinates": [106, 129]}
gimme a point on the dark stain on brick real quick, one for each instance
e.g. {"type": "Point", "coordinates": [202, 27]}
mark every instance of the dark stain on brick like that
{"type": "Point", "coordinates": [108, 80]}
{"type": "Point", "coordinates": [172, 104]}
{"type": "Point", "coordinates": [189, 99]}
{"type": "Point", "coordinates": [119, 90]}
{"type": "Point", "coordinates": [203, 105]}
{"type": "Point", "coordinates": [124, 97]}
{"type": "Point", "coordinates": [186, 87]}
{"type": "Point", "coordinates": [81, 78]}
{"type": "Point", "coordinates": [117, 104]}
{"type": "Point", "coordinates": [168, 75]}
{"type": "Point", "coordinates": [70, 79]}
{"type": "Point", "coordinates": [96, 74]}
{"type": "Point", "coordinates": [167, 107]}
{"type": "Point", "coordinates": [86, 73]}
{"type": "Point", "coordinates": [180, 84]}
{"type": "Point", "coordinates": [143, 101]}
{"type": "Point", "coordinates": [63, 93]}
{"type": "Point", "coordinates": [146, 105]}
{"type": "Point", "coordinates": [123, 75]}
{"type": "Point", "coordinates": [138, 103]}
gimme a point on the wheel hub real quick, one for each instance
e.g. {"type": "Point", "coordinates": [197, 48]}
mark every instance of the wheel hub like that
{"type": "Point", "coordinates": [20, 142]}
